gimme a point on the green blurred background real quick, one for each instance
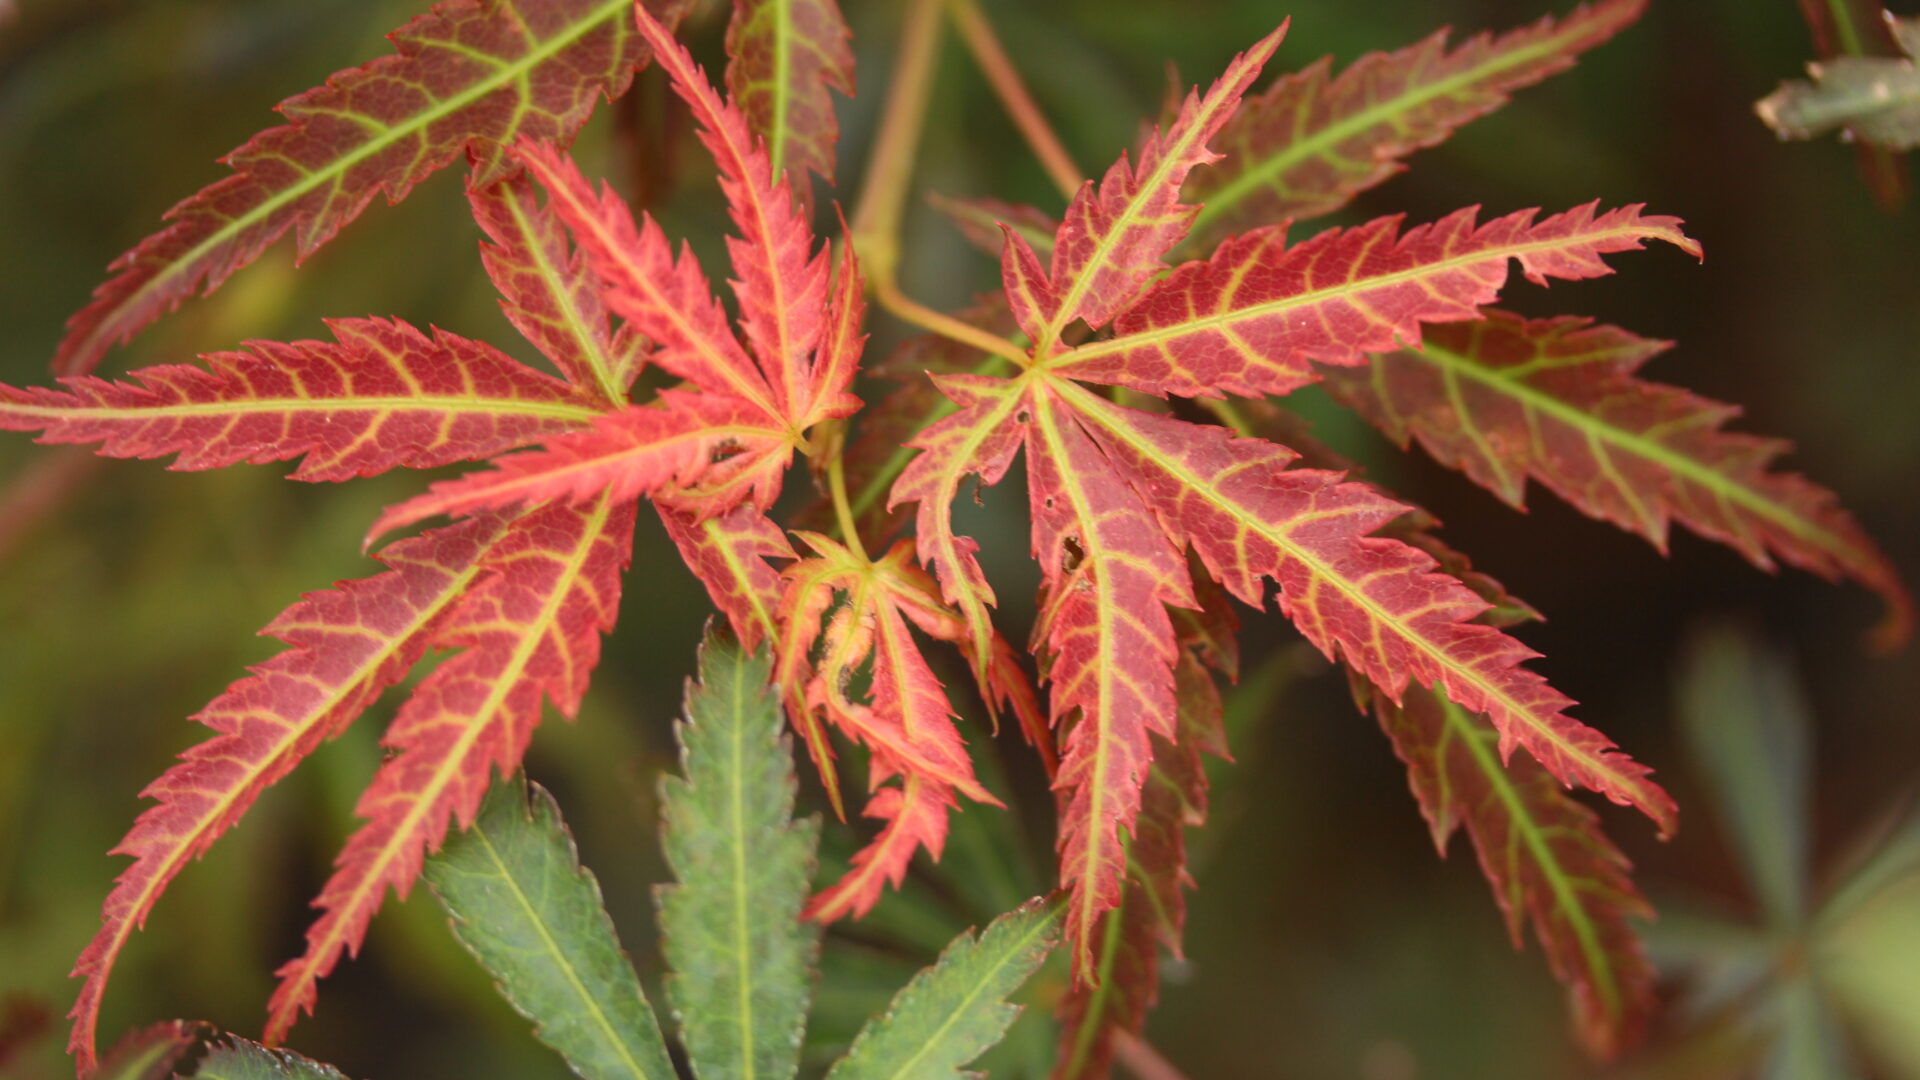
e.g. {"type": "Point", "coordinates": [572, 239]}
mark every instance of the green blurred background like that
{"type": "Point", "coordinates": [1325, 938]}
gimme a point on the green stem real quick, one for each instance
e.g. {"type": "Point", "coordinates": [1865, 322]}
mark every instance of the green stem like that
{"type": "Point", "coordinates": [842, 509]}
{"type": "Point", "coordinates": [883, 192]}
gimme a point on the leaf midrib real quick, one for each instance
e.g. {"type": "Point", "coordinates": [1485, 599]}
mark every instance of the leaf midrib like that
{"type": "Point", "coordinates": [742, 923]}
{"type": "Point", "coordinates": [258, 406]}
{"type": "Point", "coordinates": [1096, 787]}
{"type": "Point", "coordinates": [560, 958]}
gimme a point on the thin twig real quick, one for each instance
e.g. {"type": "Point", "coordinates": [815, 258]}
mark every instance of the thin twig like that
{"type": "Point", "coordinates": [1005, 79]}
{"type": "Point", "coordinates": [1141, 1059]}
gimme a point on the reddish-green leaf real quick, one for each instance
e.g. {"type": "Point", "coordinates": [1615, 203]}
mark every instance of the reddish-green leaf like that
{"type": "Point", "coordinates": [1115, 232]}
{"type": "Point", "coordinates": [530, 630]}
{"type": "Point", "coordinates": [1248, 319]}
{"type": "Point", "coordinates": [1544, 854]}
{"type": "Point", "coordinates": [786, 55]}
{"type": "Point", "coordinates": [1312, 141]}
{"type": "Point", "coordinates": [469, 77]}
{"type": "Point", "coordinates": [1860, 28]}
{"type": "Point", "coordinates": [1559, 401]}
{"type": "Point", "coordinates": [549, 294]}
{"type": "Point", "coordinates": [150, 1053]}
{"type": "Point", "coordinates": [347, 645]}
{"type": "Point", "coordinates": [1872, 99]}
{"type": "Point", "coordinates": [382, 395]}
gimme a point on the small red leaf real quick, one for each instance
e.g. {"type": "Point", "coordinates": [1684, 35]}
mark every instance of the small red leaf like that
{"type": "Point", "coordinates": [916, 817]}
{"type": "Point", "coordinates": [729, 554]}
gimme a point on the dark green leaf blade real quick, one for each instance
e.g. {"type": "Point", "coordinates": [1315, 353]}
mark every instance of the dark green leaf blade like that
{"type": "Point", "coordinates": [522, 904]}
{"type": "Point", "coordinates": [740, 954]}
{"type": "Point", "coordinates": [243, 1060]}
{"type": "Point", "coordinates": [955, 1010]}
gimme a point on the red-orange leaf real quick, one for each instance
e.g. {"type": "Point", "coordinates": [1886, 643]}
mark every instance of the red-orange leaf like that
{"type": "Point", "coordinates": [383, 395]}
{"type": "Point", "coordinates": [528, 632]}
{"type": "Point", "coordinates": [1108, 575]}
{"type": "Point", "coordinates": [975, 440]}
{"type": "Point", "coordinates": [700, 444]}
{"type": "Point", "coordinates": [1558, 401]}
{"type": "Point", "coordinates": [549, 294]}
{"type": "Point", "coordinates": [916, 817]}
{"type": "Point", "coordinates": [470, 77]}
{"type": "Point", "coordinates": [783, 282]}
{"type": "Point", "coordinates": [347, 645]}
{"type": "Point", "coordinates": [786, 55]}
{"type": "Point", "coordinates": [1311, 142]}
{"type": "Point", "coordinates": [1248, 319]}
{"type": "Point", "coordinates": [1152, 911]}
{"type": "Point", "coordinates": [667, 299]}
{"type": "Point", "coordinates": [1544, 854]}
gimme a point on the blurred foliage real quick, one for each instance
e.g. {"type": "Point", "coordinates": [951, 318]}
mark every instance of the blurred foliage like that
{"type": "Point", "coordinates": [1325, 940]}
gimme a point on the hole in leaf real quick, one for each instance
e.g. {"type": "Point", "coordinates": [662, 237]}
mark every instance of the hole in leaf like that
{"type": "Point", "coordinates": [1075, 554]}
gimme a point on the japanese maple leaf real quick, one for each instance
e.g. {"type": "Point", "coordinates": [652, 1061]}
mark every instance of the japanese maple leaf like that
{"type": "Point", "coordinates": [1119, 495]}
{"type": "Point", "coordinates": [526, 584]}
